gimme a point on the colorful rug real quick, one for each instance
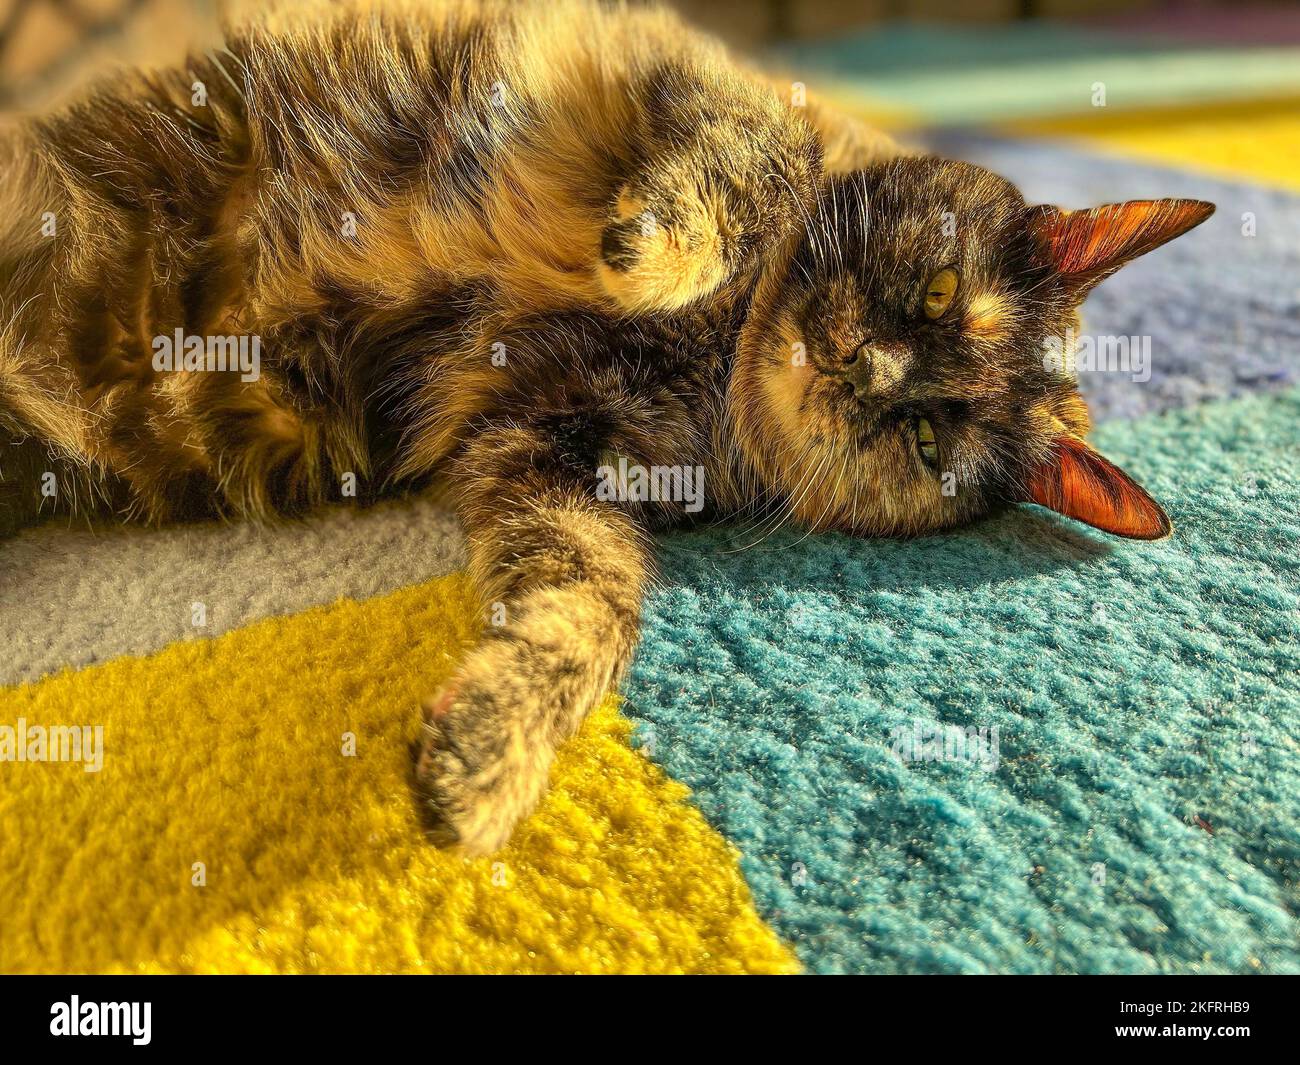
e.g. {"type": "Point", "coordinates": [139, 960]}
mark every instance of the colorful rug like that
{"type": "Point", "coordinates": [1018, 748]}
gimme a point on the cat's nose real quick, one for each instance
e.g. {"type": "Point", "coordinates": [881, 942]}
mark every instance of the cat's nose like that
{"type": "Point", "coordinates": [874, 368]}
{"type": "Point", "coordinates": [858, 368]}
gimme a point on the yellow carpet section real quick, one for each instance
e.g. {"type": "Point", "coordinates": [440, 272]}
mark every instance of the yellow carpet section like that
{"type": "Point", "coordinates": [224, 764]}
{"type": "Point", "coordinates": [1256, 139]}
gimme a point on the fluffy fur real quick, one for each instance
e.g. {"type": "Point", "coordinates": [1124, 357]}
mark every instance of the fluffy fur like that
{"type": "Point", "coordinates": [503, 245]}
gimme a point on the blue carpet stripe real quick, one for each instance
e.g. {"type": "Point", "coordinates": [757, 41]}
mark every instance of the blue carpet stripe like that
{"type": "Point", "coordinates": [1142, 814]}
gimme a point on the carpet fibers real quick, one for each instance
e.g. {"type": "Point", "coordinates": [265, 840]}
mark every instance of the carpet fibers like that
{"type": "Point", "coordinates": [1022, 747]}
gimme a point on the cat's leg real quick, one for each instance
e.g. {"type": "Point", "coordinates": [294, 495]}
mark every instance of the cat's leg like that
{"type": "Point", "coordinates": [562, 576]}
{"type": "Point", "coordinates": [45, 471]}
{"type": "Point", "coordinates": [726, 171]}
{"type": "Point", "coordinates": [179, 445]}
{"type": "Point", "coordinates": [47, 456]}
{"type": "Point", "coordinates": [45, 437]}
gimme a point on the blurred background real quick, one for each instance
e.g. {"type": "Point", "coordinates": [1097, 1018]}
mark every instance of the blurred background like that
{"type": "Point", "coordinates": [1133, 75]}
{"type": "Point", "coordinates": [47, 46]}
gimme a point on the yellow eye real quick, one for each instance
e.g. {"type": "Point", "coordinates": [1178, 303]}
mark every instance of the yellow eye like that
{"type": "Point", "coordinates": [925, 443]}
{"type": "Point", "coordinates": [939, 292]}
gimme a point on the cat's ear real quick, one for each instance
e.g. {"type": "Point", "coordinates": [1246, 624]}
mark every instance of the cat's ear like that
{"type": "Point", "coordinates": [1076, 481]}
{"type": "Point", "coordinates": [1084, 247]}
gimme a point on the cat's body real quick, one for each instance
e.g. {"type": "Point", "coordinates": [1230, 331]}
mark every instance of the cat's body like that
{"type": "Point", "coordinates": [379, 198]}
{"type": "Point", "coordinates": [504, 247]}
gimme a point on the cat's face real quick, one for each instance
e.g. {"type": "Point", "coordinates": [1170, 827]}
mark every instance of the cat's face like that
{"type": "Point", "coordinates": [891, 378]}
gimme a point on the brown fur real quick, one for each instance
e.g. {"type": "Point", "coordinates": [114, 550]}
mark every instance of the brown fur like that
{"type": "Point", "coordinates": [499, 245]}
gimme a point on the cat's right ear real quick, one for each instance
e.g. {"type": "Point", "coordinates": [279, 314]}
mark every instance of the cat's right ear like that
{"type": "Point", "coordinates": [1085, 247]}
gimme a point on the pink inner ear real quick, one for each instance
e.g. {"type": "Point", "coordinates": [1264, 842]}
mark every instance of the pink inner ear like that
{"type": "Point", "coordinates": [1087, 246]}
{"type": "Point", "coordinates": [1076, 481]}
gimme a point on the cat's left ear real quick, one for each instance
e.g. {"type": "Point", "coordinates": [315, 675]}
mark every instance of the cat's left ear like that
{"type": "Point", "coordinates": [1076, 481]}
{"type": "Point", "coordinates": [1085, 247]}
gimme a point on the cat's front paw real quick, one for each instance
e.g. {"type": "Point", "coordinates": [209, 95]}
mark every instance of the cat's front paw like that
{"type": "Point", "coordinates": [696, 216]}
{"type": "Point", "coordinates": [661, 251]}
{"type": "Point", "coordinates": [490, 736]}
{"type": "Point", "coordinates": [478, 771]}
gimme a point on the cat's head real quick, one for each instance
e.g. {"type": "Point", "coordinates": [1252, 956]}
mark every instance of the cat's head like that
{"type": "Point", "coordinates": [896, 374]}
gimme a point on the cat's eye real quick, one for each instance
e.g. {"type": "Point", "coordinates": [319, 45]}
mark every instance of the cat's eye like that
{"type": "Point", "coordinates": [925, 444]}
{"type": "Point", "coordinates": [939, 292]}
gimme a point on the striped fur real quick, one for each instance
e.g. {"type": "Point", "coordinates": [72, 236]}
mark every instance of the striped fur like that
{"type": "Point", "coordinates": [495, 246]}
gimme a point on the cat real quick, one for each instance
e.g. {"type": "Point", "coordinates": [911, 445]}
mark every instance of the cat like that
{"type": "Point", "coordinates": [528, 253]}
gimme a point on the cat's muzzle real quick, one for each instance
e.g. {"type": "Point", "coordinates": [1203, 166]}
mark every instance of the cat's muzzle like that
{"type": "Point", "coordinates": [873, 368]}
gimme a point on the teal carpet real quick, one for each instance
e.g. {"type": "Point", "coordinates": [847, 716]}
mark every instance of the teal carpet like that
{"type": "Point", "coordinates": [1145, 698]}
{"type": "Point", "coordinates": [1139, 812]}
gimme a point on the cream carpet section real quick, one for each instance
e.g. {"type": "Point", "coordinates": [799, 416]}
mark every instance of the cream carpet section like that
{"type": "Point", "coordinates": [75, 597]}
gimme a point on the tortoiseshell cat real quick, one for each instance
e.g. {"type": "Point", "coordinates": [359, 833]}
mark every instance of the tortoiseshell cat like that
{"type": "Point", "coordinates": [507, 247]}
